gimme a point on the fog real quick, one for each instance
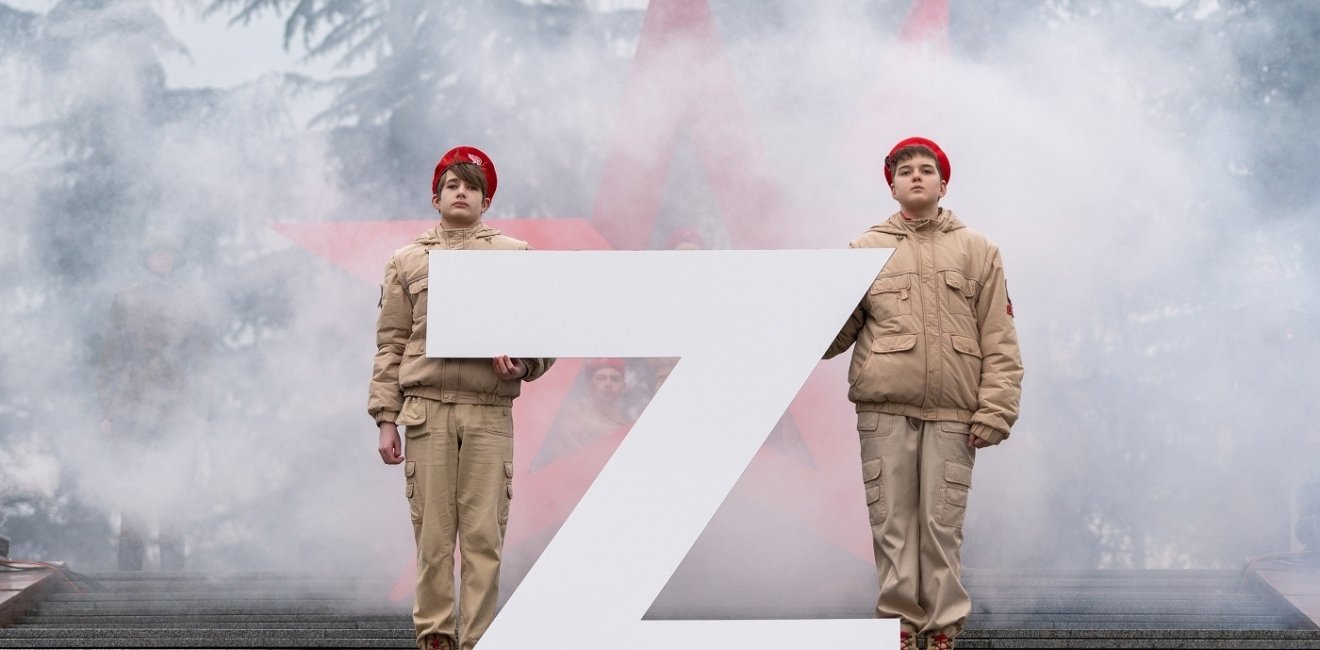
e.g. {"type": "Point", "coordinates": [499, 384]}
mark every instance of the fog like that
{"type": "Point", "coordinates": [1145, 167]}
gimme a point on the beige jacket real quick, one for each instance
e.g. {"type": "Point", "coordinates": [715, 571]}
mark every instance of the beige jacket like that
{"type": "Point", "coordinates": [934, 336]}
{"type": "Point", "coordinates": [157, 344]}
{"type": "Point", "coordinates": [402, 367]}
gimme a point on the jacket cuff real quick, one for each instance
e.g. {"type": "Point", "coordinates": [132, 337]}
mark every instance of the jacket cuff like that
{"type": "Point", "coordinates": [536, 366]}
{"type": "Point", "coordinates": [992, 436]}
{"type": "Point", "coordinates": [387, 416]}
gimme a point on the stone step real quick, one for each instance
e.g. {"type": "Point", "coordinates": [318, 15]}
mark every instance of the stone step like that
{"type": "Point", "coordinates": [1169, 638]}
{"type": "Point", "coordinates": [1130, 622]}
{"type": "Point", "coordinates": [1144, 606]}
{"type": "Point", "coordinates": [1037, 607]}
{"type": "Point", "coordinates": [24, 632]}
{"type": "Point", "coordinates": [229, 641]}
{"type": "Point", "coordinates": [228, 606]}
{"type": "Point", "coordinates": [1129, 595]}
{"type": "Point", "coordinates": [209, 596]}
{"type": "Point", "coordinates": [226, 620]}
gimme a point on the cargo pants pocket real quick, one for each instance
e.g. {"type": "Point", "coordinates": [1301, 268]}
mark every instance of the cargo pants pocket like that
{"type": "Point", "coordinates": [410, 490]}
{"type": "Point", "coordinates": [508, 493]}
{"type": "Point", "coordinates": [412, 417]}
{"type": "Point", "coordinates": [953, 494]}
{"type": "Point", "coordinates": [874, 481]}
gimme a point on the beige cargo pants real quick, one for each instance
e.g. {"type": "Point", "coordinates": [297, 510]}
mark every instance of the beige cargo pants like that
{"type": "Point", "coordinates": [917, 475]}
{"type": "Point", "coordinates": [458, 461]}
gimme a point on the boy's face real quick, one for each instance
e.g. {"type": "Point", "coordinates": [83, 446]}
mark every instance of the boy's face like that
{"type": "Point", "coordinates": [460, 204]}
{"type": "Point", "coordinates": [162, 262]}
{"type": "Point", "coordinates": [917, 183]}
{"type": "Point", "coordinates": [606, 385]}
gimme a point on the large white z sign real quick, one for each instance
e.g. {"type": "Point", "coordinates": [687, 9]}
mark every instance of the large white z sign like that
{"type": "Point", "coordinates": [749, 325]}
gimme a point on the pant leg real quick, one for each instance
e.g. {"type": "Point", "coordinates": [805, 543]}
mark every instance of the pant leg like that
{"type": "Point", "coordinates": [132, 542]}
{"type": "Point", "coordinates": [171, 542]}
{"type": "Point", "coordinates": [891, 453]}
{"type": "Point", "coordinates": [485, 486]}
{"type": "Point", "coordinates": [946, 478]}
{"type": "Point", "coordinates": [430, 467]}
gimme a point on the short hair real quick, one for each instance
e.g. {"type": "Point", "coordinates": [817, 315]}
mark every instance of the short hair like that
{"type": "Point", "coordinates": [468, 173]}
{"type": "Point", "coordinates": [893, 160]}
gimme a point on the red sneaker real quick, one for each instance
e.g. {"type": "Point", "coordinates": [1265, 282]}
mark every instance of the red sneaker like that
{"type": "Point", "coordinates": [939, 642]}
{"type": "Point", "coordinates": [907, 641]}
{"type": "Point", "coordinates": [435, 642]}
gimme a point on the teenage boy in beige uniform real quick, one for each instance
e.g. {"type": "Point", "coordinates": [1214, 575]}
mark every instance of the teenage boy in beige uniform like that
{"type": "Point", "coordinates": [936, 374]}
{"type": "Point", "coordinates": [456, 414]}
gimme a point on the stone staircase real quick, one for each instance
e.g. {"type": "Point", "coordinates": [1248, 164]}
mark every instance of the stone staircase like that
{"type": "Point", "coordinates": [1129, 609]}
{"type": "Point", "coordinates": [251, 610]}
{"type": "Point", "coordinates": [1096, 609]}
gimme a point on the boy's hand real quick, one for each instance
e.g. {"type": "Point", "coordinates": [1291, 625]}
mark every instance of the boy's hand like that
{"type": "Point", "coordinates": [509, 369]}
{"type": "Point", "coordinates": [977, 442]}
{"type": "Point", "coordinates": [390, 447]}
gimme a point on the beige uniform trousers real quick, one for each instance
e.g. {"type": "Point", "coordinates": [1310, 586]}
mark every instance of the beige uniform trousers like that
{"type": "Point", "coordinates": [917, 476]}
{"type": "Point", "coordinates": [458, 460]}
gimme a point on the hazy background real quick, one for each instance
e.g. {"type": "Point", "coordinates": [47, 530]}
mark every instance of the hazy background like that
{"type": "Point", "coordinates": [1147, 168]}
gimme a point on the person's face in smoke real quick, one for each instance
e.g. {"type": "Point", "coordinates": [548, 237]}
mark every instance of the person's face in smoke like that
{"type": "Point", "coordinates": [460, 203]}
{"type": "Point", "coordinates": [662, 372]}
{"type": "Point", "coordinates": [161, 261]}
{"type": "Point", "coordinates": [606, 385]}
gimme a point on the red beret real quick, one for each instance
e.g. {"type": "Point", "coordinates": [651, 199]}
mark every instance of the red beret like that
{"type": "Point", "coordinates": [600, 364]}
{"type": "Point", "coordinates": [467, 155]}
{"type": "Point", "coordinates": [940, 158]}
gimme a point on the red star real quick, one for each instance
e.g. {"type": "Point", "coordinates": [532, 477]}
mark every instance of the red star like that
{"type": "Point", "coordinates": [819, 488]}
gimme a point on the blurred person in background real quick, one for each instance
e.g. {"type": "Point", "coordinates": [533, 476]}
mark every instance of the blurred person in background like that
{"type": "Point", "coordinates": [936, 374]}
{"type": "Point", "coordinates": [157, 342]}
{"type": "Point", "coordinates": [457, 415]}
{"type": "Point", "coordinates": [592, 414]}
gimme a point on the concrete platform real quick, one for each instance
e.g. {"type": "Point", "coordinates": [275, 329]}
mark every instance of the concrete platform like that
{"type": "Point", "coordinates": [1298, 584]}
{"type": "Point", "coordinates": [23, 590]}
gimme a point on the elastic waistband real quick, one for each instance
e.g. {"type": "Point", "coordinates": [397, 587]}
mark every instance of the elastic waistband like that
{"type": "Point", "coordinates": [457, 396]}
{"type": "Point", "coordinates": [908, 410]}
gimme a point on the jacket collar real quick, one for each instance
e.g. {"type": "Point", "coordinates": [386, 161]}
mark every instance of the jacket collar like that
{"type": "Point", "coordinates": [438, 236]}
{"type": "Point", "coordinates": [947, 221]}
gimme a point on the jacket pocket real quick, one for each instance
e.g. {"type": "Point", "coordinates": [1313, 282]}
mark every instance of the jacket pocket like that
{"type": "Point", "coordinates": [417, 296]}
{"type": "Point", "coordinates": [893, 343]}
{"type": "Point", "coordinates": [966, 345]}
{"type": "Point", "coordinates": [959, 294]}
{"type": "Point", "coordinates": [876, 378]}
{"type": "Point", "coordinates": [890, 297]}
{"type": "Point", "coordinates": [962, 381]}
{"type": "Point", "coordinates": [874, 481]}
{"type": "Point", "coordinates": [953, 494]}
